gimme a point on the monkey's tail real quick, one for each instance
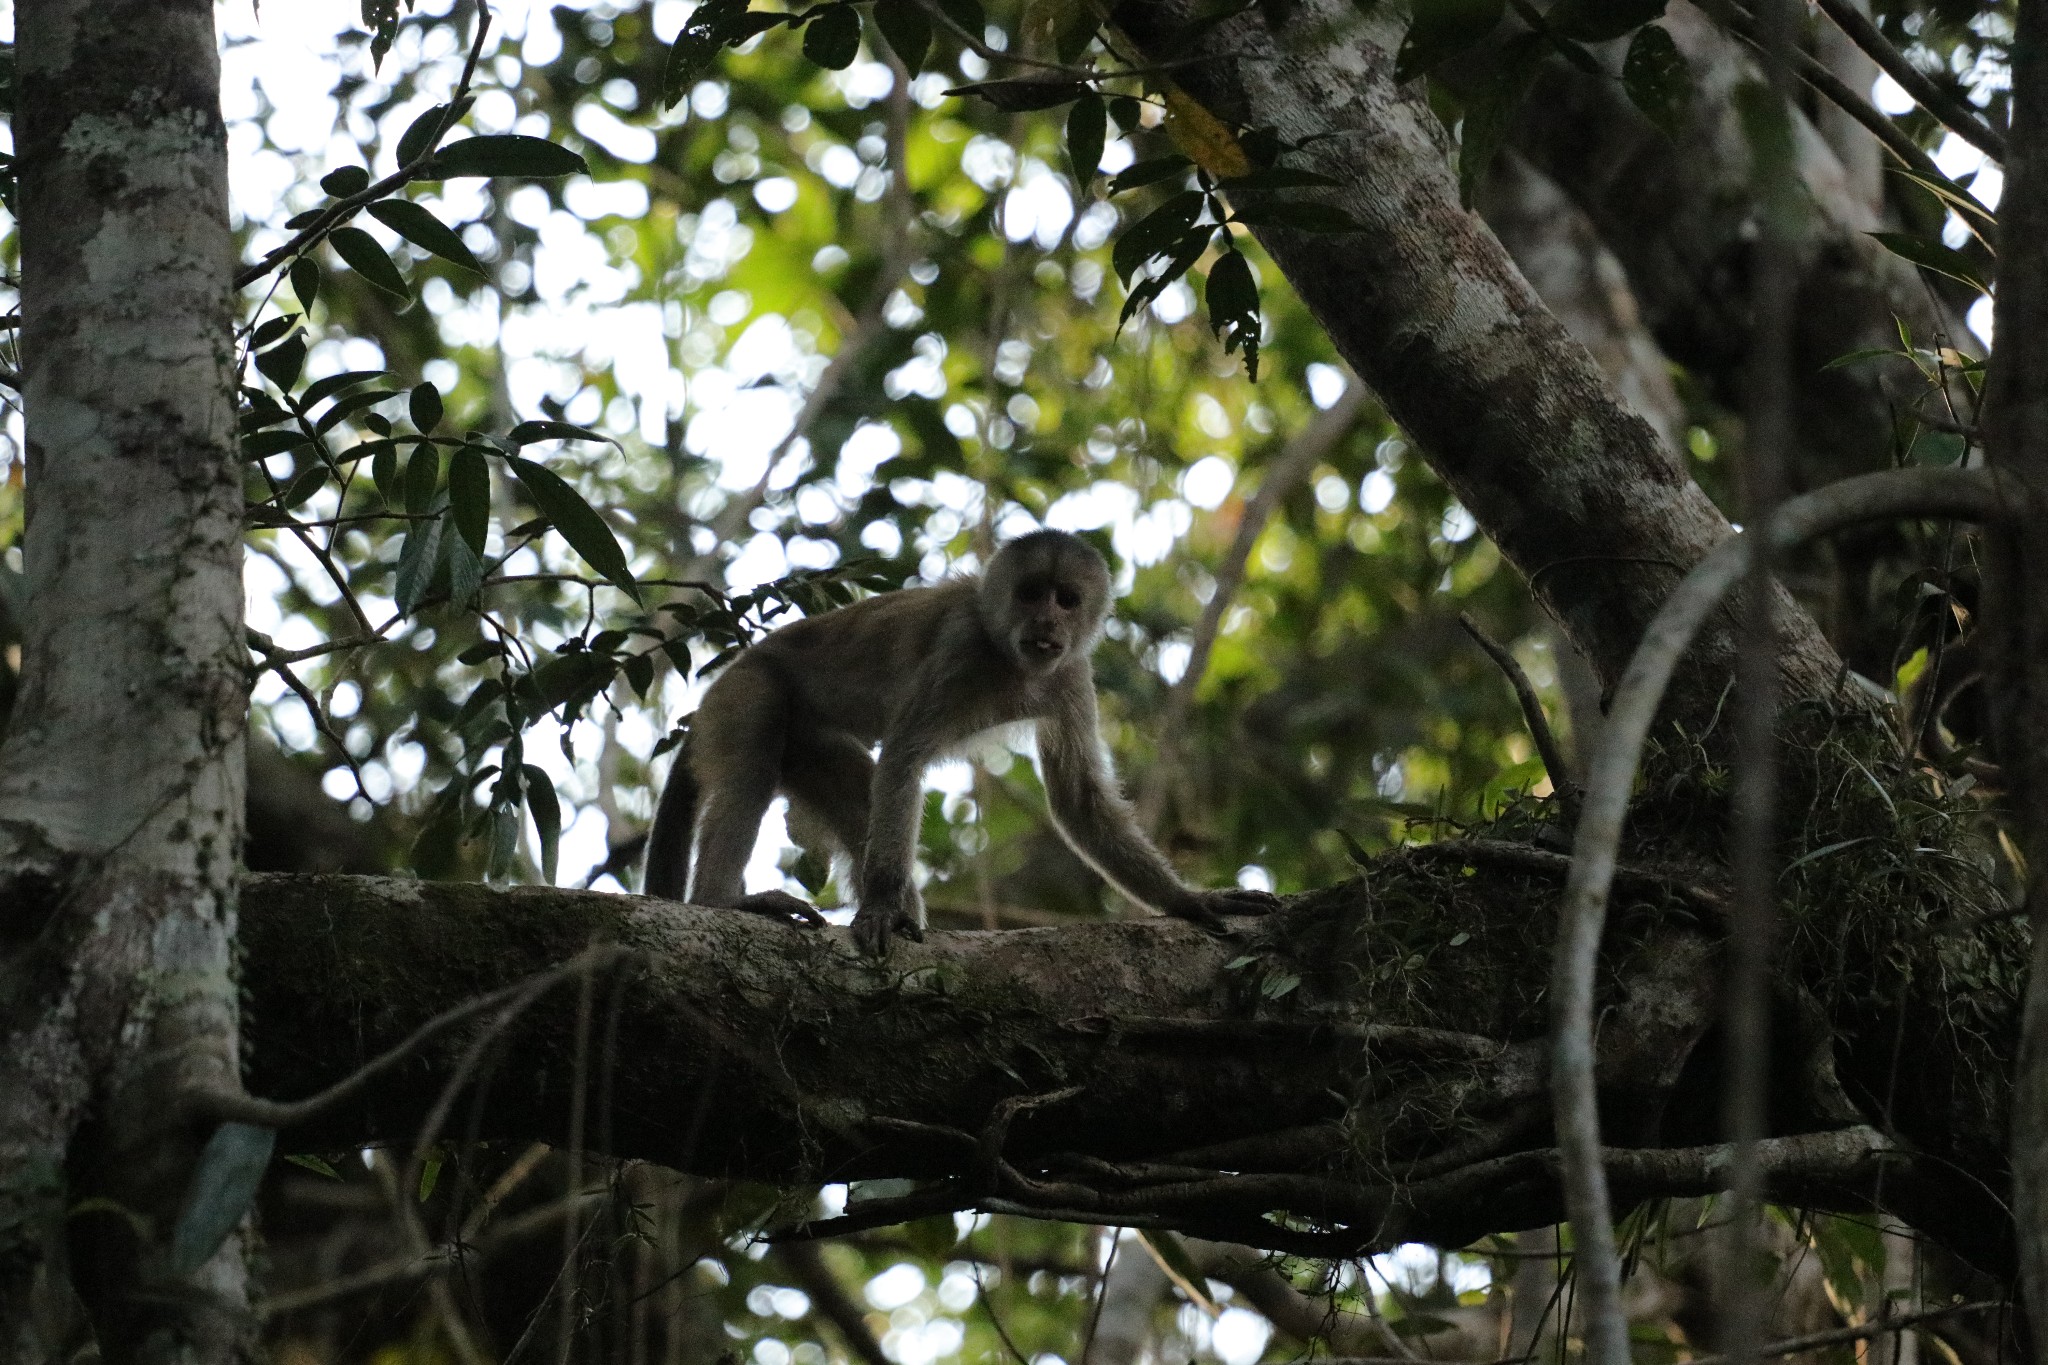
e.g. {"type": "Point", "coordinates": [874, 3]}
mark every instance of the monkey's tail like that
{"type": "Point", "coordinates": [675, 826]}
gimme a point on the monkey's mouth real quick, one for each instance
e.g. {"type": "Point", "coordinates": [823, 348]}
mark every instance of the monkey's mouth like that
{"type": "Point", "coordinates": [1043, 649]}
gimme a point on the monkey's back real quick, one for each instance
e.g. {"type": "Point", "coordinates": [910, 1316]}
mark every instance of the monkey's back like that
{"type": "Point", "coordinates": [845, 669]}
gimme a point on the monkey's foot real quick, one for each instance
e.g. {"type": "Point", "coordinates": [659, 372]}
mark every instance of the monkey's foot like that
{"type": "Point", "coordinates": [783, 906]}
{"type": "Point", "coordinates": [872, 930]}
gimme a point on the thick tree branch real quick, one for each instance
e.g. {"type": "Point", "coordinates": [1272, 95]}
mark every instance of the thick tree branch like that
{"type": "Point", "coordinates": [1510, 410]}
{"type": "Point", "coordinates": [1117, 1072]}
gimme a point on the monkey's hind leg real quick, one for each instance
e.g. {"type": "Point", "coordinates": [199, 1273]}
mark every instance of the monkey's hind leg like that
{"type": "Point", "coordinates": [827, 776]}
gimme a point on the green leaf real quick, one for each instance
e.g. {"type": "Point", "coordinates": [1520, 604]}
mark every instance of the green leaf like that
{"type": "Point", "coordinates": [261, 445]}
{"type": "Point", "coordinates": [712, 27]}
{"type": "Point", "coordinates": [546, 810]}
{"type": "Point", "coordinates": [224, 1184]}
{"type": "Point", "coordinates": [422, 478]}
{"type": "Point", "coordinates": [1857, 356]}
{"type": "Point", "coordinates": [367, 259]}
{"type": "Point", "coordinates": [1087, 130]}
{"type": "Point", "coordinates": [424, 406]}
{"type": "Point", "coordinates": [571, 679]}
{"type": "Point", "coordinates": [1442, 29]}
{"type": "Point", "coordinates": [1023, 93]}
{"type": "Point", "coordinates": [1932, 255]}
{"type": "Point", "coordinates": [1142, 173]}
{"type": "Point", "coordinates": [465, 569]}
{"type": "Point", "coordinates": [832, 39]}
{"type": "Point", "coordinates": [308, 482]}
{"type": "Point", "coordinates": [469, 496]}
{"type": "Point", "coordinates": [281, 363]}
{"type": "Point", "coordinates": [1184, 254]}
{"type": "Point", "coordinates": [270, 332]}
{"type": "Point", "coordinates": [414, 223]}
{"type": "Point", "coordinates": [639, 671]}
{"type": "Point", "coordinates": [1151, 235]}
{"type": "Point", "coordinates": [344, 181]}
{"type": "Point", "coordinates": [579, 524]}
{"type": "Point", "coordinates": [417, 560]}
{"type": "Point", "coordinates": [1600, 21]}
{"type": "Point", "coordinates": [317, 1165]}
{"type": "Point", "coordinates": [1938, 448]}
{"type": "Point", "coordinates": [384, 474]}
{"type": "Point", "coordinates": [1233, 298]}
{"type": "Point", "coordinates": [503, 154]}
{"type": "Point", "coordinates": [504, 843]}
{"type": "Point", "coordinates": [1657, 79]}
{"type": "Point", "coordinates": [1490, 111]}
{"type": "Point", "coordinates": [430, 1176]}
{"type": "Point", "coordinates": [1128, 111]}
{"type": "Point", "coordinates": [526, 433]}
{"type": "Point", "coordinates": [908, 31]}
{"type": "Point", "coordinates": [321, 390]}
{"type": "Point", "coordinates": [348, 405]}
{"type": "Point", "coordinates": [423, 132]}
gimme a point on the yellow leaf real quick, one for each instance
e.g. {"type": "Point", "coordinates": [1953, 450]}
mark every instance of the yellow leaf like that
{"type": "Point", "coordinates": [1204, 137]}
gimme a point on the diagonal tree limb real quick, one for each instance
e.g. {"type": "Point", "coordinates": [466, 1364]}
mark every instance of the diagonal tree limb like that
{"type": "Point", "coordinates": [1949, 111]}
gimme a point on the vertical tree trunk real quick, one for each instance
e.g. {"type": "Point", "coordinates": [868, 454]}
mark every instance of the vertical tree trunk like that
{"type": "Point", "coordinates": [2016, 442]}
{"type": "Point", "coordinates": [121, 775]}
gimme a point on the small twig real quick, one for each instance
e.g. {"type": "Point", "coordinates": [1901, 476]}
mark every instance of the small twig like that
{"type": "Point", "coordinates": [226, 1106]}
{"type": "Point", "coordinates": [313, 709]}
{"type": "Point", "coordinates": [1953, 115]}
{"type": "Point", "coordinates": [989, 1310]}
{"type": "Point", "coordinates": [1532, 709]}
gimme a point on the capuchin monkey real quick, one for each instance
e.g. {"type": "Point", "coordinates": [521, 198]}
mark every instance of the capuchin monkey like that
{"type": "Point", "coordinates": [919, 672]}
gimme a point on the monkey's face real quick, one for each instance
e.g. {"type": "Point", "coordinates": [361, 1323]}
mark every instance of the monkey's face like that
{"type": "Point", "coordinates": [1044, 599]}
{"type": "Point", "coordinates": [1050, 619]}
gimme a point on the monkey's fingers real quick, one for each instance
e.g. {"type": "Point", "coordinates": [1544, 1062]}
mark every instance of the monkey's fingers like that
{"type": "Point", "coordinates": [783, 906]}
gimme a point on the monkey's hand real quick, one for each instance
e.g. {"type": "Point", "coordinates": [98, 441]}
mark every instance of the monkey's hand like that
{"type": "Point", "coordinates": [1207, 908]}
{"type": "Point", "coordinates": [783, 906]}
{"type": "Point", "coordinates": [886, 911]}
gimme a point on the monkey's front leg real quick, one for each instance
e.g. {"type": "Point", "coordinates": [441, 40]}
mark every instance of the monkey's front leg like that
{"type": "Point", "coordinates": [890, 902]}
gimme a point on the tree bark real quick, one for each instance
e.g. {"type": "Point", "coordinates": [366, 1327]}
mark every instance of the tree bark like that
{"type": "Point", "coordinates": [1114, 1073]}
{"type": "Point", "coordinates": [2016, 443]}
{"type": "Point", "coordinates": [1681, 217]}
{"type": "Point", "coordinates": [121, 778]}
{"type": "Point", "coordinates": [1424, 303]}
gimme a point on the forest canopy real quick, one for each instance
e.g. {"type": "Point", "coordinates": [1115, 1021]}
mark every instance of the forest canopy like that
{"type": "Point", "coordinates": [1411, 365]}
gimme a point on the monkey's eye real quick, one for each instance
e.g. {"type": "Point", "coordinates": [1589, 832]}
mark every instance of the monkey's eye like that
{"type": "Point", "coordinates": [1029, 593]}
{"type": "Point", "coordinates": [1068, 598]}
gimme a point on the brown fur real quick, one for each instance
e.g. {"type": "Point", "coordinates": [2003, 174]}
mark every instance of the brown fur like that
{"type": "Point", "coordinates": [920, 672]}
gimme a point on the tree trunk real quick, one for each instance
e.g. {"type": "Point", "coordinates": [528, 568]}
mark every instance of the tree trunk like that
{"type": "Point", "coordinates": [2016, 443]}
{"type": "Point", "coordinates": [1425, 304]}
{"type": "Point", "coordinates": [121, 775]}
